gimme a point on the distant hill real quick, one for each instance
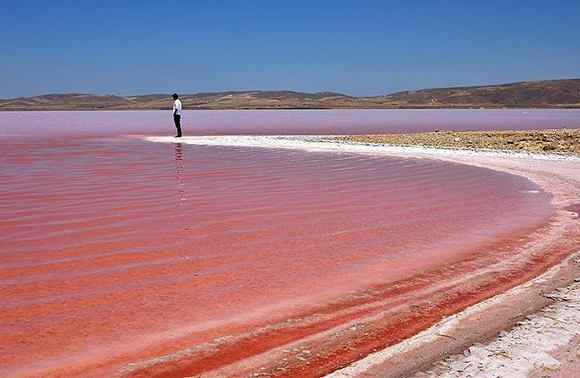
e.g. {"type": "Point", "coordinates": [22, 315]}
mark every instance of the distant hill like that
{"type": "Point", "coordinates": [547, 93]}
{"type": "Point", "coordinates": [527, 94]}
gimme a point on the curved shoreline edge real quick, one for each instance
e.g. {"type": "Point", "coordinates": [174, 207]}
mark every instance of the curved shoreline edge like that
{"type": "Point", "coordinates": [557, 174]}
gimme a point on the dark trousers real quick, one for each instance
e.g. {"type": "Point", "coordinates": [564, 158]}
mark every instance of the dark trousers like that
{"type": "Point", "coordinates": [177, 120]}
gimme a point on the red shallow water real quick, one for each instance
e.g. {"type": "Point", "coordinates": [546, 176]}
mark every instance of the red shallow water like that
{"type": "Point", "coordinates": [115, 250]}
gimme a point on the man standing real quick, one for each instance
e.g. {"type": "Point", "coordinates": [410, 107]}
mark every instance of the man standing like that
{"type": "Point", "coordinates": [177, 114]}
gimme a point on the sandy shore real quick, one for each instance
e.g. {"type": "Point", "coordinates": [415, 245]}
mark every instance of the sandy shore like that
{"type": "Point", "coordinates": [555, 141]}
{"type": "Point", "coordinates": [508, 305]}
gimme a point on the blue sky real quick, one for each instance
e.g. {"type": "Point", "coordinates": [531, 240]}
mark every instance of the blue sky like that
{"type": "Point", "coordinates": [363, 47]}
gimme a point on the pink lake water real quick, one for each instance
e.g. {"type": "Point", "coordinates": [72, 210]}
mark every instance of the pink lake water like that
{"type": "Point", "coordinates": [281, 122]}
{"type": "Point", "coordinates": [116, 251]}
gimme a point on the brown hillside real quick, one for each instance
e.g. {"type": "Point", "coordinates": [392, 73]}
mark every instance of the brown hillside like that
{"type": "Point", "coordinates": [526, 94]}
{"type": "Point", "coordinates": [540, 94]}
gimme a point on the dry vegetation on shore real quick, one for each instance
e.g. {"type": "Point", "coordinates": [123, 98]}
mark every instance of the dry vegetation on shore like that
{"type": "Point", "coordinates": [562, 141]}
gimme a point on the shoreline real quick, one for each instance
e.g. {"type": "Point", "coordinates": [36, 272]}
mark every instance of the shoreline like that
{"type": "Point", "coordinates": [547, 325]}
{"type": "Point", "coordinates": [166, 108]}
{"type": "Point", "coordinates": [561, 180]}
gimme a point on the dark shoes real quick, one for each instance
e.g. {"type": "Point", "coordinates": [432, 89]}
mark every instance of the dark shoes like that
{"type": "Point", "coordinates": [177, 136]}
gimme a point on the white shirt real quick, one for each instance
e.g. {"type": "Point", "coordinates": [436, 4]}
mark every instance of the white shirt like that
{"type": "Point", "coordinates": [177, 106]}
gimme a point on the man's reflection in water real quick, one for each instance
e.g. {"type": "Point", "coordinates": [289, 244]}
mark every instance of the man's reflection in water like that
{"type": "Point", "coordinates": [179, 173]}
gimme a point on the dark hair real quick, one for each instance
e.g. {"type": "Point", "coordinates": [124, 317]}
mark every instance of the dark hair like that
{"type": "Point", "coordinates": [175, 96]}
